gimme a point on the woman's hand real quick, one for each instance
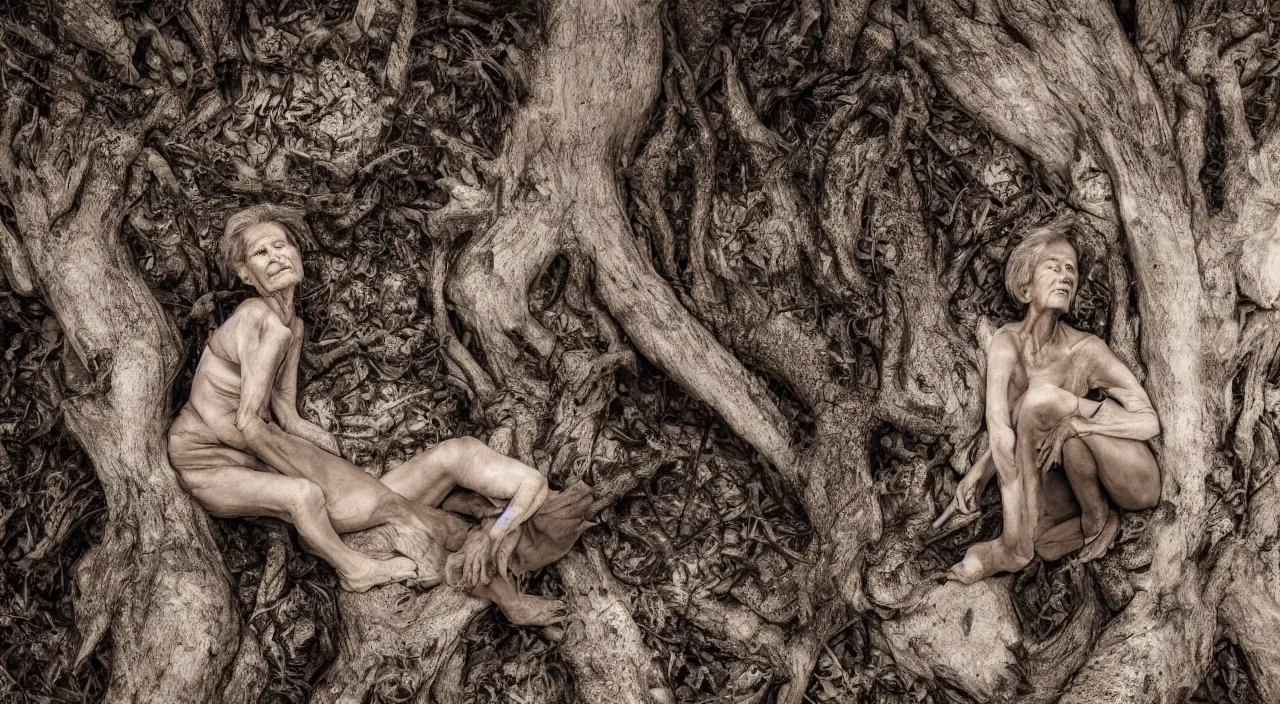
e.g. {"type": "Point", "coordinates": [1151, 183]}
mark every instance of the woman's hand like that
{"type": "Point", "coordinates": [470, 565]}
{"type": "Point", "coordinates": [1050, 450]}
{"type": "Point", "coordinates": [503, 537]}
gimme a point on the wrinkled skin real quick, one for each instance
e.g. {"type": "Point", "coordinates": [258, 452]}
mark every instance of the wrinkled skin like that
{"type": "Point", "coordinates": [1039, 369]}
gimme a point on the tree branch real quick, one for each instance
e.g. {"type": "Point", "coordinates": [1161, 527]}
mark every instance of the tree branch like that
{"type": "Point", "coordinates": [1250, 615]}
{"type": "Point", "coordinates": [398, 58]}
{"type": "Point", "coordinates": [983, 68]}
{"type": "Point", "coordinates": [763, 145]}
{"type": "Point", "coordinates": [700, 256]}
{"type": "Point", "coordinates": [606, 639]}
{"type": "Point", "coordinates": [481, 383]}
{"type": "Point", "coordinates": [1225, 71]}
{"type": "Point", "coordinates": [1260, 342]}
{"type": "Point", "coordinates": [93, 24]}
{"type": "Point", "coordinates": [855, 164]}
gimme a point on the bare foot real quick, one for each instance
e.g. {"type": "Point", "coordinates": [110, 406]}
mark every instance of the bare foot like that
{"type": "Point", "coordinates": [420, 545]}
{"type": "Point", "coordinates": [1096, 546]}
{"type": "Point", "coordinates": [375, 572]}
{"type": "Point", "coordinates": [534, 611]}
{"type": "Point", "coordinates": [985, 559]}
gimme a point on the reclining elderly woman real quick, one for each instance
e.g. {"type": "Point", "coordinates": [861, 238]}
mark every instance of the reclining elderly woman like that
{"type": "Point", "coordinates": [1038, 373]}
{"type": "Point", "coordinates": [241, 449]}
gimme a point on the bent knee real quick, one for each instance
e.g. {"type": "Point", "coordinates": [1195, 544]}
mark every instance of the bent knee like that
{"type": "Point", "coordinates": [307, 496]}
{"type": "Point", "coordinates": [1145, 496]}
{"type": "Point", "coordinates": [192, 480]}
{"type": "Point", "coordinates": [466, 443]}
{"type": "Point", "coordinates": [1138, 493]}
{"type": "Point", "coordinates": [462, 448]}
{"type": "Point", "coordinates": [1149, 500]}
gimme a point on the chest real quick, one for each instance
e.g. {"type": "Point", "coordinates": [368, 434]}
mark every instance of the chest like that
{"type": "Point", "coordinates": [1060, 366]}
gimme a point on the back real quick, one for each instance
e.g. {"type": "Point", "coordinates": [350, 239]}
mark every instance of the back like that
{"type": "Point", "coordinates": [215, 389]}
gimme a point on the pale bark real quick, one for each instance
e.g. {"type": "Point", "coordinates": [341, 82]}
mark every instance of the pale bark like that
{"type": "Point", "coordinates": [1073, 54]}
{"type": "Point", "coordinates": [1042, 75]}
{"type": "Point", "coordinates": [156, 583]}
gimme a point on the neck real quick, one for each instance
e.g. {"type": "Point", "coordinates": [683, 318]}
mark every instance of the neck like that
{"type": "Point", "coordinates": [281, 302]}
{"type": "Point", "coordinates": [1042, 325]}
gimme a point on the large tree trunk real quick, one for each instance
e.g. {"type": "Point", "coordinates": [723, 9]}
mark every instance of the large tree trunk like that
{"type": "Point", "coordinates": [1067, 70]}
{"type": "Point", "coordinates": [749, 203]}
{"type": "Point", "coordinates": [156, 584]}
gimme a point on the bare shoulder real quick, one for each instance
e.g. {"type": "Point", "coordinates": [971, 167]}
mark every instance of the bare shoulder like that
{"type": "Point", "coordinates": [1006, 341]}
{"type": "Point", "coordinates": [255, 313]}
{"type": "Point", "coordinates": [252, 323]}
{"type": "Point", "coordinates": [1088, 343]}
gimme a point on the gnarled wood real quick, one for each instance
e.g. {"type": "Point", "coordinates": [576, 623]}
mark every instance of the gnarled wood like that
{"type": "Point", "coordinates": [156, 582]}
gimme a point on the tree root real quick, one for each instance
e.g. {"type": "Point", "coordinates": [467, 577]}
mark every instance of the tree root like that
{"type": "Point", "coordinates": [156, 580]}
{"type": "Point", "coordinates": [959, 634]}
{"type": "Point", "coordinates": [602, 643]}
{"type": "Point", "coordinates": [846, 18]}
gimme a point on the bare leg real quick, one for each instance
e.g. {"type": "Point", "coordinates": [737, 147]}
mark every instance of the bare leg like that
{"type": "Point", "coordinates": [1037, 411]}
{"type": "Point", "coordinates": [231, 492]}
{"type": "Point", "coordinates": [1058, 529]}
{"type": "Point", "coordinates": [521, 609]}
{"type": "Point", "coordinates": [1082, 472]}
{"type": "Point", "coordinates": [358, 501]}
{"type": "Point", "coordinates": [1126, 468]}
{"type": "Point", "coordinates": [1102, 467]}
{"type": "Point", "coordinates": [361, 501]}
{"type": "Point", "coordinates": [425, 477]}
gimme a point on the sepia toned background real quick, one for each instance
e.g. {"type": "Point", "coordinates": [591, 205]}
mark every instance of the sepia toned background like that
{"type": "Point", "coordinates": [733, 263]}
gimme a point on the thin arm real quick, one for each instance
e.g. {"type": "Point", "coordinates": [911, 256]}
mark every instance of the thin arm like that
{"type": "Point", "coordinates": [473, 465]}
{"type": "Point", "coordinates": [527, 500]}
{"type": "Point", "coordinates": [1001, 360]}
{"type": "Point", "coordinates": [1112, 376]}
{"type": "Point", "coordinates": [284, 394]}
{"type": "Point", "coordinates": [262, 345]}
{"type": "Point", "coordinates": [284, 399]}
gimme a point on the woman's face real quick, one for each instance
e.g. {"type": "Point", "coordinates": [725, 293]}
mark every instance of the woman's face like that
{"type": "Point", "coordinates": [271, 261]}
{"type": "Point", "coordinates": [1053, 284]}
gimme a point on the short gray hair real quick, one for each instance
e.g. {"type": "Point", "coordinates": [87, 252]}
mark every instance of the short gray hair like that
{"type": "Point", "coordinates": [231, 244]}
{"type": "Point", "coordinates": [1026, 255]}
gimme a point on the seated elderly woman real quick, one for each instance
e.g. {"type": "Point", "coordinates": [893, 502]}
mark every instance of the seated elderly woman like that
{"type": "Point", "coordinates": [1038, 372]}
{"type": "Point", "coordinates": [241, 449]}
